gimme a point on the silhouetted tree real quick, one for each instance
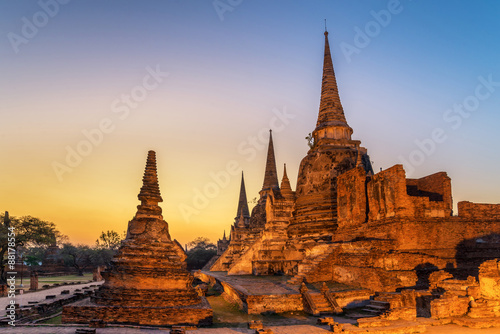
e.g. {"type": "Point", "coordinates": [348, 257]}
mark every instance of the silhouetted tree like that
{"type": "Point", "coordinates": [34, 256]}
{"type": "Point", "coordinates": [25, 232]}
{"type": "Point", "coordinates": [109, 239]}
{"type": "Point", "coordinates": [200, 251]}
{"type": "Point", "coordinates": [80, 257]}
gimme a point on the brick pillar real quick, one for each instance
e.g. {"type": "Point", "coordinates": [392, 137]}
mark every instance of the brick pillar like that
{"type": "Point", "coordinates": [34, 281]}
{"type": "Point", "coordinates": [96, 274]}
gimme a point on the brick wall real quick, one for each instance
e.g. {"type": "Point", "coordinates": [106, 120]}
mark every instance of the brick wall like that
{"type": "Point", "coordinates": [478, 210]}
{"type": "Point", "coordinates": [389, 194]}
{"type": "Point", "coordinates": [256, 304]}
{"type": "Point", "coordinates": [84, 311]}
{"type": "Point", "coordinates": [351, 198]}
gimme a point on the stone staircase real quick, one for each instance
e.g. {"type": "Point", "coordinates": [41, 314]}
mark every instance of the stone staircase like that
{"type": "Point", "coordinates": [307, 265]}
{"type": "Point", "coordinates": [321, 303]}
{"type": "Point", "coordinates": [233, 254]}
{"type": "Point", "coordinates": [377, 307]}
{"type": "Point", "coordinates": [210, 263]}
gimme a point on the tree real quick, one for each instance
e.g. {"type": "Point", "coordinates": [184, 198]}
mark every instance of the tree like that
{"type": "Point", "coordinates": [28, 232]}
{"type": "Point", "coordinates": [201, 250]}
{"type": "Point", "coordinates": [80, 257]}
{"type": "Point", "coordinates": [202, 243]}
{"type": "Point", "coordinates": [109, 239]}
{"type": "Point", "coordinates": [35, 255]}
{"type": "Point", "coordinates": [106, 247]}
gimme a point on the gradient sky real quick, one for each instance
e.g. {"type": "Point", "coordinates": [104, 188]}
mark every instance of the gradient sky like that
{"type": "Point", "coordinates": [231, 71]}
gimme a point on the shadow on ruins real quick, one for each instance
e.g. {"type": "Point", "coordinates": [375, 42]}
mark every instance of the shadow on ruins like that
{"type": "Point", "coordinates": [471, 253]}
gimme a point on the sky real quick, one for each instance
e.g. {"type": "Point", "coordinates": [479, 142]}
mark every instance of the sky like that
{"type": "Point", "coordinates": [88, 87]}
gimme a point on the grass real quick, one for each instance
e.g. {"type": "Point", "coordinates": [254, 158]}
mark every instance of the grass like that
{"type": "Point", "coordinates": [55, 279]}
{"type": "Point", "coordinates": [52, 321]}
{"type": "Point", "coordinates": [229, 315]}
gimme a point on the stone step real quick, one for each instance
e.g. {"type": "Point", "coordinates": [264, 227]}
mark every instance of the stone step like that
{"type": "Point", "coordinates": [377, 307]}
{"type": "Point", "coordinates": [358, 316]}
{"type": "Point", "coordinates": [380, 303]}
{"type": "Point", "coordinates": [371, 311]}
{"type": "Point", "coordinates": [296, 279]}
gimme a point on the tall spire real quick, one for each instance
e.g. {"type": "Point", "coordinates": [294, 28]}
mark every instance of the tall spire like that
{"type": "Point", "coordinates": [286, 189]}
{"type": "Point", "coordinates": [270, 176]}
{"type": "Point", "coordinates": [330, 108]}
{"type": "Point", "coordinates": [331, 113]}
{"type": "Point", "coordinates": [150, 191]}
{"type": "Point", "coordinates": [242, 203]}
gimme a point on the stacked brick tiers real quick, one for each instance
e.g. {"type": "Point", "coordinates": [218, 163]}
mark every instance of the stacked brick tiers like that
{"type": "Point", "coordinates": [333, 153]}
{"type": "Point", "coordinates": [147, 283]}
{"type": "Point", "coordinates": [344, 223]}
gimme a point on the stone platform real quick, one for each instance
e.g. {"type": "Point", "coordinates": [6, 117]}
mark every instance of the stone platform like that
{"type": "Point", "coordinates": [199, 314]}
{"type": "Point", "coordinates": [257, 294]}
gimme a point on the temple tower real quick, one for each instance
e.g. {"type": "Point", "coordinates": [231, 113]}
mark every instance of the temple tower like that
{"type": "Point", "coordinates": [270, 185]}
{"type": "Point", "coordinates": [241, 235]}
{"type": "Point", "coordinates": [270, 174]}
{"type": "Point", "coordinates": [286, 189]}
{"type": "Point", "coordinates": [147, 282]}
{"type": "Point", "coordinates": [333, 153]}
{"type": "Point", "coordinates": [242, 202]}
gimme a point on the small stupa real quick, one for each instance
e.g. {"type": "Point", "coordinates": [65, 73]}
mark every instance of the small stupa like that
{"type": "Point", "coordinates": [147, 282]}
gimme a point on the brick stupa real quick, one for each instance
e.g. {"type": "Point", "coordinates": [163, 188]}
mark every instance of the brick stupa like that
{"type": "Point", "coordinates": [147, 283]}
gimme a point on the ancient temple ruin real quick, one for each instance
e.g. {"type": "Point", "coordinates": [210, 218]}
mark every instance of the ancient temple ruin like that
{"type": "Point", "coordinates": [147, 283]}
{"type": "Point", "coordinates": [346, 224]}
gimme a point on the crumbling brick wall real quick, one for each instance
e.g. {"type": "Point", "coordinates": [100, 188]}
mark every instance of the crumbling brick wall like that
{"type": "Point", "coordinates": [389, 194]}
{"type": "Point", "coordinates": [436, 187]}
{"type": "Point", "coordinates": [478, 210]}
{"type": "Point", "coordinates": [351, 198]}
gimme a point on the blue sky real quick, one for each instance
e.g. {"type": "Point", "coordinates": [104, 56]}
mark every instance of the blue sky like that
{"type": "Point", "coordinates": [228, 81]}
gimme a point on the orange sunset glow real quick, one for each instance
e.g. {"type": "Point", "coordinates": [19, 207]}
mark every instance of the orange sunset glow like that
{"type": "Point", "coordinates": [93, 89]}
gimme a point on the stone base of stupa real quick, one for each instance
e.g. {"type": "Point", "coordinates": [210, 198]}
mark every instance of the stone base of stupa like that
{"type": "Point", "coordinates": [82, 312]}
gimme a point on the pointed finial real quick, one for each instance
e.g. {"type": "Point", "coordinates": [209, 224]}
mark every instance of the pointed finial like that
{"type": "Point", "coordinates": [242, 201]}
{"type": "Point", "coordinates": [331, 113]}
{"type": "Point", "coordinates": [286, 189]}
{"type": "Point", "coordinates": [150, 191]}
{"type": "Point", "coordinates": [270, 174]}
{"type": "Point", "coordinates": [326, 30]}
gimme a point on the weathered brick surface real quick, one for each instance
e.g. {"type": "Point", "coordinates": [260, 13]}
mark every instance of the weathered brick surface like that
{"type": "Point", "coordinates": [449, 306]}
{"type": "Point", "coordinates": [82, 312]}
{"type": "Point", "coordinates": [352, 198]}
{"type": "Point", "coordinates": [256, 304]}
{"type": "Point", "coordinates": [489, 279]}
{"type": "Point", "coordinates": [436, 187]}
{"type": "Point", "coordinates": [275, 303]}
{"type": "Point", "coordinates": [478, 210]}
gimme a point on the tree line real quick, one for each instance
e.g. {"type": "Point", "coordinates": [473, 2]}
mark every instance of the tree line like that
{"type": "Point", "coordinates": [34, 238]}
